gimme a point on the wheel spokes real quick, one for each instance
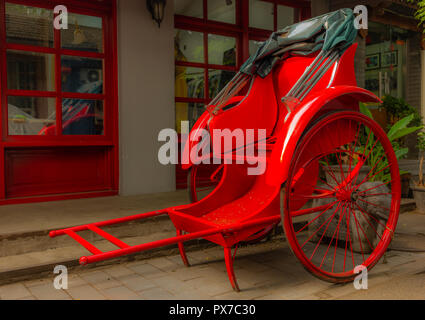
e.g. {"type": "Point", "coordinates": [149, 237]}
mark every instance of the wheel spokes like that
{"type": "Point", "coordinates": [345, 211]}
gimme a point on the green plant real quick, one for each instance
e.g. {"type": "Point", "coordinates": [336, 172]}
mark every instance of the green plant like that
{"type": "Point", "coordinates": [420, 12]}
{"type": "Point", "coordinates": [398, 108]}
{"type": "Point", "coordinates": [395, 133]}
{"type": "Point", "coordinates": [421, 148]}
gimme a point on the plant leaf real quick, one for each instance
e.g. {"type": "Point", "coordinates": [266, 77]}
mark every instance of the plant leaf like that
{"type": "Point", "coordinates": [405, 132]}
{"type": "Point", "coordinates": [365, 110]}
{"type": "Point", "coordinates": [401, 152]}
{"type": "Point", "coordinates": [401, 124]}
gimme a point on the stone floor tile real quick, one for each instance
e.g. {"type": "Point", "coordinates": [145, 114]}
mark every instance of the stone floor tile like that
{"type": "Point", "coordinates": [136, 282]}
{"type": "Point", "coordinates": [85, 292]}
{"type": "Point", "coordinates": [118, 271]}
{"type": "Point", "coordinates": [147, 270]}
{"type": "Point", "coordinates": [100, 279]}
{"type": "Point", "coordinates": [13, 291]}
{"type": "Point", "coordinates": [157, 294]}
{"type": "Point", "coordinates": [121, 293]}
{"type": "Point", "coordinates": [48, 292]}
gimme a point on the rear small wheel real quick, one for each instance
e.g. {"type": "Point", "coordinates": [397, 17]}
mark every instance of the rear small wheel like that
{"type": "Point", "coordinates": [342, 196]}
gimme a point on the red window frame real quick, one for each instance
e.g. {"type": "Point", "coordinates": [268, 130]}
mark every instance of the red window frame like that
{"type": "Point", "coordinates": [107, 9]}
{"type": "Point", "coordinates": [107, 96]}
{"type": "Point", "coordinates": [240, 30]}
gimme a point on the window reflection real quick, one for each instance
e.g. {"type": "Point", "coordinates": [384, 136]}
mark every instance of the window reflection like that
{"type": "Point", "coordinates": [31, 116]}
{"type": "Point", "coordinates": [83, 33]}
{"type": "Point", "coordinates": [189, 82]}
{"type": "Point", "coordinates": [190, 8]}
{"type": "Point", "coordinates": [285, 16]}
{"type": "Point", "coordinates": [82, 117]}
{"type": "Point", "coordinates": [223, 11]}
{"type": "Point", "coordinates": [253, 46]}
{"type": "Point", "coordinates": [217, 80]}
{"type": "Point", "coordinates": [188, 112]}
{"type": "Point", "coordinates": [30, 71]}
{"type": "Point", "coordinates": [83, 75]}
{"type": "Point", "coordinates": [261, 14]}
{"type": "Point", "coordinates": [195, 112]}
{"type": "Point", "coordinates": [29, 25]}
{"type": "Point", "coordinates": [189, 46]}
{"type": "Point", "coordinates": [221, 50]}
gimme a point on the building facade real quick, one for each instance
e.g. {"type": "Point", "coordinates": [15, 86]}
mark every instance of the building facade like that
{"type": "Point", "coordinates": [81, 108]}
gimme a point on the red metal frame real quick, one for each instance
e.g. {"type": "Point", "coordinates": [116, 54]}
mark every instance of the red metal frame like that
{"type": "Point", "coordinates": [107, 10]}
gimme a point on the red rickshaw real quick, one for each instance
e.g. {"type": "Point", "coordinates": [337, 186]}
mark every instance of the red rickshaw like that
{"type": "Point", "coordinates": [331, 177]}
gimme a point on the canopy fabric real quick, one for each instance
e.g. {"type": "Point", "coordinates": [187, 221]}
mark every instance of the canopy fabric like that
{"type": "Point", "coordinates": [333, 30]}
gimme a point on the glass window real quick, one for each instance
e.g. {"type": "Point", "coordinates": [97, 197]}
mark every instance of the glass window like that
{"type": "Point", "coordinates": [253, 46]}
{"type": "Point", "coordinates": [386, 55]}
{"type": "Point", "coordinates": [29, 25]}
{"type": "Point", "coordinates": [221, 50]}
{"type": "Point", "coordinates": [83, 33]}
{"type": "Point", "coordinates": [191, 8]}
{"type": "Point", "coordinates": [217, 80]}
{"type": "Point", "coordinates": [189, 46]}
{"type": "Point", "coordinates": [261, 14]}
{"type": "Point", "coordinates": [31, 116]}
{"type": "Point", "coordinates": [189, 82]}
{"type": "Point", "coordinates": [83, 75]}
{"type": "Point", "coordinates": [285, 16]}
{"type": "Point", "coordinates": [195, 110]}
{"type": "Point", "coordinates": [82, 117]}
{"type": "Point", "coordinates": [222, 10]}
{"type": "Point", "coordinates": [30, 71]}
{"type": "Point", "coordinates": [188, 112]}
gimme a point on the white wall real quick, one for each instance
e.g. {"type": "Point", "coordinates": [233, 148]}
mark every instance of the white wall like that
{"type": "Point", "coordinates": [146, 96]}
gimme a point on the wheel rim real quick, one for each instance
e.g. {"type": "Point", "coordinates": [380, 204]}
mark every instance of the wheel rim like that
{"type": "Point", "coordinates": [342, 196]}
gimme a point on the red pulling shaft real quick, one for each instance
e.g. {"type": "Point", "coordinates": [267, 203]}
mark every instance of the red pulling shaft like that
{"type": "Point", "coordinates": [178, 239]}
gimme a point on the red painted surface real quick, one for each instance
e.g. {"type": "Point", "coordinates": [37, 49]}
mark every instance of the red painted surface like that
{"type": "Point", "coordinates": [33, 172]}
{"type": "Point", "coordinates": [56, 166]}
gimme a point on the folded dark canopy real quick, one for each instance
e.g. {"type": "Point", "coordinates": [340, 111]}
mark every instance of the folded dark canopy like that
{"type": "Point", "coordinates": [333, 30]}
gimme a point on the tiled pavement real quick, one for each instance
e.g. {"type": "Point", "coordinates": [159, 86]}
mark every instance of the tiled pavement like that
{"type": "Point", "coordinates": [265, 271]}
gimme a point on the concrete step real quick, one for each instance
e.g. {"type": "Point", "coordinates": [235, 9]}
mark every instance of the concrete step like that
{"type": "Point", "coordinates": [34, 265]}
{"type": "Point", "coordinates": [411, 166]}
{"type": "Point", "coordinates": [407, 205]}
{"type": "Point", "coordinates": [29, 242]}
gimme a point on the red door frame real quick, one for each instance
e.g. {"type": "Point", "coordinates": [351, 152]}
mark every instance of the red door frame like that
{"type": "Point", "coordinates": [240, 30]}
{"type": "Point", "coordinates": [108, 11]}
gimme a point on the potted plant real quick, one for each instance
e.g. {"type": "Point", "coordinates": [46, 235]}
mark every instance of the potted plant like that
{"type": "Point", "coordinates": [397, 131]}
{"type": "Point", "coordinates": [396, 109]}
{"type": "Point", "coordinates": [419, 186]}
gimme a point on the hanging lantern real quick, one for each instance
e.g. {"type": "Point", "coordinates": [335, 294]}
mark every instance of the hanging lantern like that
{"type": "Point", "coordinates": [157, 9]}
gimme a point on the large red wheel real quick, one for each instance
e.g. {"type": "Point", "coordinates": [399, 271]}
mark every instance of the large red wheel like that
{"type": "Point", "coordinates": [342, 198]}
